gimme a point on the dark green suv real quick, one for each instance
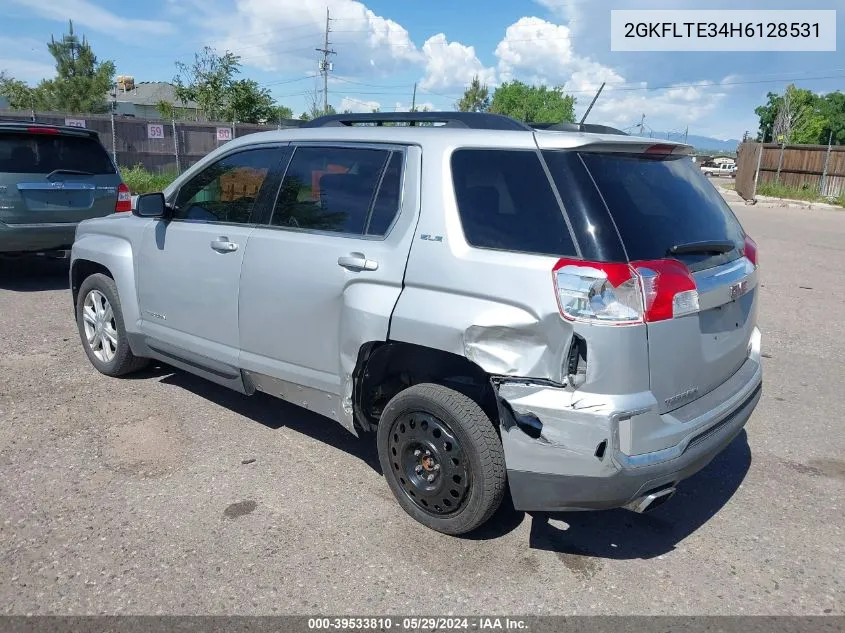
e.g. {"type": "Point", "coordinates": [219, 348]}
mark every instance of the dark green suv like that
{"type": "Point", "coordinates": [51, 178]}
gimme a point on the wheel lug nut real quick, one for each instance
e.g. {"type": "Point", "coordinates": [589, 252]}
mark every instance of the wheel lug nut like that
{"type": "Point", "coordinates": [417, 453]}
{"type": "Point", "coordinates": [430, 477]}
{"type": "Point", "coordinates": [427, 453]}
{"type": "Point", "coordinates": [418, 469]}
{"type": "Point", "coordinates": [437, 467]}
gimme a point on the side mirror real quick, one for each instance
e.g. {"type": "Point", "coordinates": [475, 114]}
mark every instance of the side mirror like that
{"type": "Point", "coordinates": [150, 205]}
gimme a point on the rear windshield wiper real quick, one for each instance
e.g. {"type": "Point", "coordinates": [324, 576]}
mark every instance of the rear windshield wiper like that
{"type": "Point", "coordinates": [715, 247]}
{"type": "Point", "coordinates": [78, 172]}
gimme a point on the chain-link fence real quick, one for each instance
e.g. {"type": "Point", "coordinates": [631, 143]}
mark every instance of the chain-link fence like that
{"type": "Point", "coordinates": [159, 146]}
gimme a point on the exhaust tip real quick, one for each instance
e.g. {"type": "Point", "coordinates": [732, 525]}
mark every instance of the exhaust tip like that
{"type": "Point", "coordinates": [649, 502]}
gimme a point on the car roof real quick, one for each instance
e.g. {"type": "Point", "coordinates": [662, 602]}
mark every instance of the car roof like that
{"type": "Point", "coordinates": [442, 137]}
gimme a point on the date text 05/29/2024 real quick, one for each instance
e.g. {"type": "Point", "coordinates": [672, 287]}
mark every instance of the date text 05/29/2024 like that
{"type": "Point", "coordinates": [417, 624]}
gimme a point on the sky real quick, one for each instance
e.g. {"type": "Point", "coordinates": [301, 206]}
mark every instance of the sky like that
{"type": "Point", "coordinates": [384, 47]}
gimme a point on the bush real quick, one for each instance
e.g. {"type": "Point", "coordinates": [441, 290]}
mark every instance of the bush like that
{"type": "Point", "coordinates": [139, 180]}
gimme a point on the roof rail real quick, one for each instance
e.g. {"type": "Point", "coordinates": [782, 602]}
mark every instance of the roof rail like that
{"type": "Point", "coordinates": [467, 120]}
{"type": "Point", "coordinates": [593, 128]}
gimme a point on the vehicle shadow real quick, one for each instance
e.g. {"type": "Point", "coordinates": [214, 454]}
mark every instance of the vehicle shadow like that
{"type": "Point", "coordinates": [621, 534]}
{"type": "Point", "coordinates": [33, 273]}
{"type": "Point", "coordinates": [271, 412]}
{"type": "Point", "coordinates": [612, 534]}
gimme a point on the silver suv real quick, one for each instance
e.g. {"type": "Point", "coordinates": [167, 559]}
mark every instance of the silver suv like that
{"type": "Point", "coordinates": [569, 313]}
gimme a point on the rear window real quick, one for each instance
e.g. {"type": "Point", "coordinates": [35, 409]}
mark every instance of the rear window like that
{"type": "Point", "coordinates": [506, 202]}
{"type": "Point", "coordinates": [660, 202]}
{"type": "Point", "coordinates": [22, 153]}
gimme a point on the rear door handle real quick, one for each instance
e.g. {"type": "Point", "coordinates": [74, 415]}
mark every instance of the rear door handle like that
{"type": "Point", "coordinates": [223, 245]}
{"type": "Point", "coordinates": [357, 261]}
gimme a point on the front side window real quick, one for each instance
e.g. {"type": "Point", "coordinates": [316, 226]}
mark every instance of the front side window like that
{"type": "Point", "coordinates": [335, 189]}
{"type": "Point", "coordinates": [226, 191]}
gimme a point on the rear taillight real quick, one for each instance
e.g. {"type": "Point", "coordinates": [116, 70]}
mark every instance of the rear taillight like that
{"type": "Point", "coordinates": [42, 130]}
{"type": "Point", "coordinates": [124, 199]}
{"type": "Point", "coordinates": [623, 294]}
{"type": "Point", "coordinates": [750, 250]}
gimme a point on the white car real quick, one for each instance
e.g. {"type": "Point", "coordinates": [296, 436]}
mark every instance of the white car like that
{"type": "Point", "coordinates": [721, 169]}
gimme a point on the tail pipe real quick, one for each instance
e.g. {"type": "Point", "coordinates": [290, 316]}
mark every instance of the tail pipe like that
{"type": "Point", "coordinates": [652, 500]}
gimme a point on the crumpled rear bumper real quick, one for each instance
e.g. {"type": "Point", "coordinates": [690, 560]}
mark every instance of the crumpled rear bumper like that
{"type": "Point", "coordinates": [569, 458]}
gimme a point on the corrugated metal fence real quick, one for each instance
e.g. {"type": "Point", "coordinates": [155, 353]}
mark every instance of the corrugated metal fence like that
{"type": "Point", "coordinates": [818, 168]}
{"type": "Point", "coordinates": [160, 146]}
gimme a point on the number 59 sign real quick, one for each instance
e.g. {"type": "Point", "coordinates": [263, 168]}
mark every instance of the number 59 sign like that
{"type": "Point", "coordinates": [155, 130]}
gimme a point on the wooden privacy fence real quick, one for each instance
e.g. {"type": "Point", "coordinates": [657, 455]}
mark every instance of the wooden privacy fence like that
{"type": "Point", "coordinates": [160, 146]}
{"type": "Point", "coordinates": [818, 168]}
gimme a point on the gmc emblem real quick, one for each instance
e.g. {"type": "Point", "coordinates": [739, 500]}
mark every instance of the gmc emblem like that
{"type": "Point", "coordinates": [737, 290]}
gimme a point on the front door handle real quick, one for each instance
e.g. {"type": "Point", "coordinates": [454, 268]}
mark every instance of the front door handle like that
{"type": "Point", "coordinates": [223, 245]}
{"type": "Point", "coordinates": [357, 261]}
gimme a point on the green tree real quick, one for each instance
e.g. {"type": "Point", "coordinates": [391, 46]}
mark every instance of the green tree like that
{"type": "Point", "coordinates": [797, 116]}
{"type": "Point", "coordinates": [476, 97]}
{"type": "Point", "coordinates": [832, 108]}
{"type": "Point", "coordinates": [535, 104]}
{"type": "Point", "coordinates": [19, 94]}
{"type": "Point", "coordinates": [82, 83]}
{"type": "Point", "coordinates": [281, 112]}
{"type": "Point", "coordinates": [767, 114]}
{"type": "Point", "coordinates": [207, 82]}
{"type": "Point", "coordinates": [248, 102]}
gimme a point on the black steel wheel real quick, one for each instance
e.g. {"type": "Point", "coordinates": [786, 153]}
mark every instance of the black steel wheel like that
{"type": "Point", "coordinates": [442, 458]}
{"type": "Point", "coordinates": [430, 462]}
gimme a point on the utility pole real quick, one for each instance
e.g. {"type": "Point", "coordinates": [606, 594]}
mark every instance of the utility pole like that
{"type": "Point", "coordinates": [592, 103]}
{"type": "Point", "coordinates": [325, 66]}
{"type": "Point", "coordinates": [642, 125]}
{"type": "Point", "coordinates": [414, 98]}
{"type": "Point", "coordinates": [686, 134]}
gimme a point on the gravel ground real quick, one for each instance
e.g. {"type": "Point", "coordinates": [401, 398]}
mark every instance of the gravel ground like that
{"type": "Point", "coordinates": [133, 495]}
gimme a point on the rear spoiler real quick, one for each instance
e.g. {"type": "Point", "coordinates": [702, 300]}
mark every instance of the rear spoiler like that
{"type": "Point", "coordinates": [613, 143]}
{"type": "Point", "coordinates": [28, 127]}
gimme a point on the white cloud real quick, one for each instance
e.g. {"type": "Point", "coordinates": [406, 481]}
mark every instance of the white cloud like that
{"type": "Point", "coordinates": [536, 51]}
{"type": "Point", "coordinates": [452, 64]}
{"type": "Point", "coordinates": [26, 70]}
{"type": "Point", "coordinates": [356, 105]}
{"type": "Point", "coordinates": [90, 15]}
{"type": "Point", "coordinates": [566, 10]}
{"type": "Point", "coordinates": [28, 59]}
{"type": "Point", "coordinates": [426, 106]}
{"type": "Point", "coordinates": [282, 35]}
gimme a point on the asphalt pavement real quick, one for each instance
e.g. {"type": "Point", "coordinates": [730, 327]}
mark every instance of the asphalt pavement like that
{"type": "Point", "coordinates": [164, 494]}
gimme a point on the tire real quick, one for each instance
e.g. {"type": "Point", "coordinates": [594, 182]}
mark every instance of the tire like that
{"type": "Point", "coordinates": [101, 329]}
{"type": "Point", "coordinates": [442, 458]}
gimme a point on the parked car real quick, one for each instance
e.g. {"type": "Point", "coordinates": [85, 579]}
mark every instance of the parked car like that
{"type": "Point", "coordinates": [719, 169]}
{"type": "Point", "coordinates": [51, 178]}
{"type": "Point", "coordinates": [570, 314]}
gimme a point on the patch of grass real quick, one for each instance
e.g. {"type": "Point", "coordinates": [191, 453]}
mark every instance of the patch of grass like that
{"type": "Point", "coordinates": [779, 190]}
{"type": "Point", "coordinates": [139, 180]}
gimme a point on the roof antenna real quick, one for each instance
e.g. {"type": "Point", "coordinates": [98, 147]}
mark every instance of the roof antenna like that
{"type": "Point", "coordinates": [592, 103]}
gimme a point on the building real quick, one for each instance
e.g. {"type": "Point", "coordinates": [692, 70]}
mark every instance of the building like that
{"type": "Point", "coordinates": [141, 99]}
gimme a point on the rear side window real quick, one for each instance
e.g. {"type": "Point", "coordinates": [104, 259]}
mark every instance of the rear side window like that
{"type": "Point", "coordinates": [22, 153]}
{"type": "Point", "coordinates": [660, 202]}
{"type": "Point", "coordinates": [333, 189]}
{"type": "Point", "coordinates": [506, 202]}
